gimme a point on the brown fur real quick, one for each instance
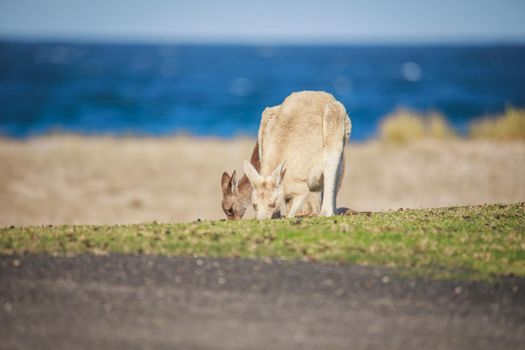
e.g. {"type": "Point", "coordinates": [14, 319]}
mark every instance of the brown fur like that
{"type": "Point", "coordinates": [237, 197]}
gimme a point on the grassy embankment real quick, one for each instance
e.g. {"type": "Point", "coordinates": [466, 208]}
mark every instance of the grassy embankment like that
{"type": "Point", "coordinates": [482, 243]}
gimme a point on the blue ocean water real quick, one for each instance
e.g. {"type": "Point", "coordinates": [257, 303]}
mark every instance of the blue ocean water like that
{"type": "Point", "coordinates": [220, 91]}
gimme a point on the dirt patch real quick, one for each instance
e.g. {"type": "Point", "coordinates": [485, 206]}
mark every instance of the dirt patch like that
{"type": "Point", "coordinates": [82, 180]}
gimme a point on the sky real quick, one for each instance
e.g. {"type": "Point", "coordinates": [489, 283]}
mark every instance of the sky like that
{"type": "Point", "coordinates": [283, 21]}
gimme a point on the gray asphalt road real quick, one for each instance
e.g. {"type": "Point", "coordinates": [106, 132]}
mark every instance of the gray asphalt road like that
{"type": "Point", "coordinates": [146, 302]}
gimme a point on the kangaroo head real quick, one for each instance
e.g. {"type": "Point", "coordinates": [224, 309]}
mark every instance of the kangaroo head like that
{"type": "Point", "coordinates": [267, 196]}
{"type": "Point", "coordinates": [235, 200]}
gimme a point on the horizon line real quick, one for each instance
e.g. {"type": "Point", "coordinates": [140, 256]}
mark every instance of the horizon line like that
{"type": "Point", "coordinates": [137, 40]}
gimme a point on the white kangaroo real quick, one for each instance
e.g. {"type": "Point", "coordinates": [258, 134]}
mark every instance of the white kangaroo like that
{"type": "Point", "coordinates": [301, 148]}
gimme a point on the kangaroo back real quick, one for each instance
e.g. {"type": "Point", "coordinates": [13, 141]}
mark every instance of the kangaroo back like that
{"type": "Point", "coordinates": [267, 117]}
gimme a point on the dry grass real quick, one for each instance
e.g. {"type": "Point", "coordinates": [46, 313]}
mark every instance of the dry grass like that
{"type": "Point", "coordinates": [99, 180]}
{"type": "Point", "coordinates": [404, 125]}
{"type": "Point", "coordinates": [508, 126]}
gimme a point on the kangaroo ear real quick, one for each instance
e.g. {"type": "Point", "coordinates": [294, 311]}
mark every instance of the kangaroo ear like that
{"type": "Point", "coordinates": [225, 183]}
{"type": "Point", "coordinates": [278, 173]}
{"type": "Point", "coordinates": [234, 182]}
{"type": "Point", "coordinates": [252, 174]}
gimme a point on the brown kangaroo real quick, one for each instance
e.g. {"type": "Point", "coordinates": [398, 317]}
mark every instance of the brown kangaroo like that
{"type": "Point", "coordinates": [237, 196]}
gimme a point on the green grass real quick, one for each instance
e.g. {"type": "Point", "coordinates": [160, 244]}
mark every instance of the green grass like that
{"type": "Point", "coordinates": [482, 242]}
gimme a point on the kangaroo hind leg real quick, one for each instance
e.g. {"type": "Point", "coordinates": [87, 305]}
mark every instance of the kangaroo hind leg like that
{"type": "Point", "coordinates": [334, 137]}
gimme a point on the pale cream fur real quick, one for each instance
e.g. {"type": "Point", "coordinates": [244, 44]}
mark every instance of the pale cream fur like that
{"type": "Point", "coordinates": [301, 148]}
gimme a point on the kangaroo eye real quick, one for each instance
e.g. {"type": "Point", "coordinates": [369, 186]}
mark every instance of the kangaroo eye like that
{"type": "Point", "coordinates": [272, 205]}
{"type": "Point", "coordinates": [254, 206]}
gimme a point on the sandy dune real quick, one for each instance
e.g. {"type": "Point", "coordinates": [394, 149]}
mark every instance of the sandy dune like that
{"type": "Point", "coordinates": [73, 179]}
